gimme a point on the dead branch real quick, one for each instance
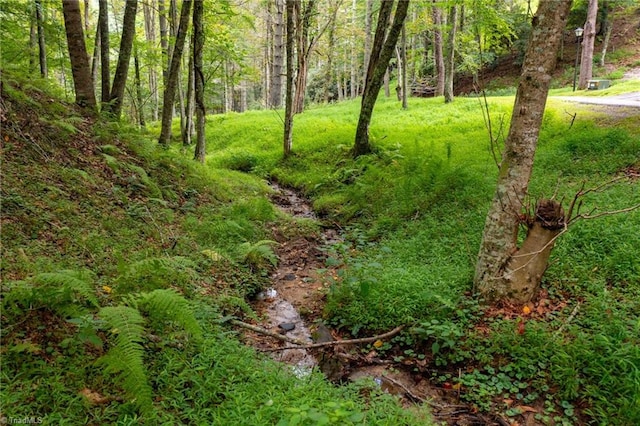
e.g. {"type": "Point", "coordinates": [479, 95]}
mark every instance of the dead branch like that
{"type": "Point", "coordinates": [301, 345]}
{"type": "Point", "coordinates": [407, 392]}
{"type": "Point", "coordinates": [493, 142]}
{"type": "Point", "coordinates": [268, 333]}
{"type": "Point", "coordinates": [569, 319]}
{"type": "Point", "coordinates": [608, 213]}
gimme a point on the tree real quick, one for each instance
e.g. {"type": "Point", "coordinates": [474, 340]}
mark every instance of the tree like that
{"type": "Point", "coordinates": [504, 270]}
{"type": "Point", "coordinates": [172, 75]}
{"type": "Point", "coordinates": [384, 44]}
{"type": "Point", "coordinates": [105, 72]}
{"type": "Point", "coordinates": [85, 96]}
{"type": "Point", "coordinates": [586, 64]}
{"type": "Point", "coordinates": [288, 109]}
{"type": "Point", "coordinates": [198, 46]}
{"type": "Point", "coordinates": [275, 92]}
{"type": "Point", "coordinates": [116, 95]}
{"type": "Point", "coordinates": [42, 47]}
{"type": "Point", "coordinates": [450, 64]}
{"type": "Point", "coordinates": [438, 49]}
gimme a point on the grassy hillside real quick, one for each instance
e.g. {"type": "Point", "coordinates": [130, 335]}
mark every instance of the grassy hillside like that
{"type": "Point", "coordinates": [414, 212]}
{"type": "Point", "coordinates": [119, 262]}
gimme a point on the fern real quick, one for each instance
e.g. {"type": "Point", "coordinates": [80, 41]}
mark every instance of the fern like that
{"type": "Point", "coordinates": [157, 272]}
{"type": "Point", "coordinates": [125, 358]}
{"type": "Point", "coordinates": [65, 292]}
{"type": "Point", "coordinates": [170, 305]}
{"type": "Point", "coordinates": [260, 254]}
{"type": "Point", "coordinates": [127, 326]}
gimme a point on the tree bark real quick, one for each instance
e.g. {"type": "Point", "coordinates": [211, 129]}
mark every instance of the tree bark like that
{"type": "Point", "coordinates": [499, 260]}
{"type": "Point", "coordinates": [438, 56]}
{"type": "Point", "coordinates": [451, 49]}
{"type": "Point", "coordinates": [586, 62]}
{"type": "Point", "coordinates": [304, 47]}
{"type": "Point", "coordinates": [105, 67]}
{"type": "Point", "coordinates": [198, 47]}
{"type": "Point", "coordinates": [85, 96]}
{"type": "Point", "coordinates": [116, 96]}
{"type": "Point", "coordinates": [275, 95]}
{"type": "Point", "coordinates": [288, 113]}
{"type": "Point", "coordinates": [403, 77]}
{"type": "Point", "coordinates": [150, 35]}
{"type": "Point", "coordinates": [164, 39]}
{"type": "Point", "coordinates": [138, 85]}
{"type": "Point", "coordinates": [384, 44]}
{"type": "Point", "coordinates": [368, 17]}
{"type": "Point", "coordinates": [172, 76]}
{"type": "Point", "coordinates": [189, 108]}
{"type": "Point", "coordinates": [33, 39]}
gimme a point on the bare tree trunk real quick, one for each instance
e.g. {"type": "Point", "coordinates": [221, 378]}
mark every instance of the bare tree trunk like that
{"type": "Point", "coordinates": [605, 43]}
{"type": "Point", "coordinates": [331, 43]}
{"type": "Point", "coordinates": [451, 49]}
{"type": "Point", "coordinates": [164, 39]}
{"type": "Point", "coordinates": [500, 273]}
{"type": "Point", "coordinates": [288, 114]}
{"type": "Point", "coordinates": [198, 47]}
{"type": "Point", "coordinates": [105, 66]}
{"type": "Point", "coordinates": [150, 34]}
{"type": "Point", "coordinates": [384, 44]}
{"type": "Point", "coordinates": [124, 57]}
{"type": "Point", "coordinates": [368, 17]}
{"type": "Point", "coordinates": [437, 49]}
{"type": "Point", "coordinates": [304, 48]}
{"type": "Point", "coordinates": [42, 47]}
{"type": "Point", "coordinates": [85, 96]}
{"type": "Point", "coordinates": [403, 58]}
{"type": "Point", "coordinates": [96, 55]}
{"type": "Point", "coordinates": [189, 109]}
{"type": "Point", "coordinates": [275, 95]}
{"type": "Point", "coordinates": [33, 39]}
{"type": "Point", "coordinates": [172, 75]}
{"type": "Point", "coordinates": [138, 84]}
{"type": "Point", "coordinates": [586, 64]}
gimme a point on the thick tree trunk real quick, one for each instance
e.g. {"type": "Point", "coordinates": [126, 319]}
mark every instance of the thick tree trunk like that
{"type": "Point", "coordinates": [96, 56]}
{"type": "Point", "coordinates": [586, 64]}
{"type": "Point", "coordinates": [105, 66]}
{"type": "Point", "coordinates": [500, 261]}
{"type": "Point", "coordinates": [198, 47]}
{"type": "Point", "coordinates": [438, 55]}
{"type": "Point", "coordinates": [85, 96]}
{"type": "Point", "coordinates": [116, 96]}
{"type": "Point", "coordinates": [42, 46]}
{"type": "Point", "coordinates": [172, 76]}
{"type": "Point", "coordinates": [288, 113]}
{"type": "Point", "coordinates": [451, 49]}
{"type": "Point", "coordinates": [384, 44]}
{"type": "Point", "coordinates": [275, 95]}
{"type": "Point", "coordinates": [189, 108]}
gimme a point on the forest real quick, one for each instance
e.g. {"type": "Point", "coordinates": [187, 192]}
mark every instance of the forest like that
{"type": "Point", "coordinates": [301, 212]}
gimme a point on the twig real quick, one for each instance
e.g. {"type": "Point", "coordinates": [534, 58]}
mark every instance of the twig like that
{"type": "Point", "coordinates": [268, 333]}
{"type": "Point", "coordinates": [608, 213]}
{"type": "Point", "coordinates": [410, 394]}
{"type": "Point", "coordinates": [569, 319]}
{"type": "Point", "coordinates": [336, 342]}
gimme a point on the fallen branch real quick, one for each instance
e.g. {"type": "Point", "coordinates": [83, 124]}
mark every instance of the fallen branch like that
{"type": "Point", "coordinates": [268, 333]}
{"type": "Point", "coordinates": [407, 392]}
{"type": "Point", "coordinates": [336, 342]}
{"type": "Point", "coordinates": [569, 319]}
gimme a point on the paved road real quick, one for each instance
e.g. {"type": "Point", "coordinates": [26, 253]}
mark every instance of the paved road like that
{"type": "Point", "coordinates": [626, 100]}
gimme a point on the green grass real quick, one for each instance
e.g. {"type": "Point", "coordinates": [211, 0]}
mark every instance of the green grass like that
{"type": "Point", "coordinates": [414, 212]}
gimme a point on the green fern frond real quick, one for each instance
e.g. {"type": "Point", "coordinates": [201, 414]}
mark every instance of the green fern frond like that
{"type": "Point", "coordinates": [170, 305]}
{"type": "Point", "coordinates": [157, 272]}
{"type": "Point", "coordinates": [258, 254]}
{"type": "Point", "coordinates": [65, 292]}
{"type": "Point", "coordinates": [125, 358]}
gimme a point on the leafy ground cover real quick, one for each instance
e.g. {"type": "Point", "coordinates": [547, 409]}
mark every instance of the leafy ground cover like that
{"type": "Point", "coordinates": [119, 264]}
{"type": "Point", "coordinates": [414, 213]}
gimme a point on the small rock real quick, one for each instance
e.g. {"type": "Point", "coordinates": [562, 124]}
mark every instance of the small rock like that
{"type": "Point", "coordinates": [287, 326]}
{"type": "Point", "coordinates": [289, 277]}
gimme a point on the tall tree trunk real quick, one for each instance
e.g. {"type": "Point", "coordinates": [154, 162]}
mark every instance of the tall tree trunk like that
{"type": "Point", "coordinates": [122, 68]}
{"type": "Point", "coordinates": [164, 39]}
{"type": "Point", "coordinates": [189, 108]}
{"type": "Point", "coordinates": [150, 34]}
{"type": "Point", "coordinates": [85, 96]}
{"type": "Point", "coordinates": [42, 47]}
{"type": "Point", "coordinates": [386, 80]}
{"type": "Point", "coordinates": [198, 47]}
{"type": "Point", "coordinates": [275, 95]}
{"type": "Point", "coordinates": [138, 85]}
{"type": "Point", "coordinates": [451, 49]}
{"type": "Point", "coordinates": [353, 63]}
{"type": "Point", "coordinates": [288, 108]}
{"type": "Point", "coordinates": [403, 76]}
{"type": "Point", "coordinates": [331, 43]}
{"type": "Point", "coordinates": [304, 48]}
{"type": "Point", "coordinates": [105, 66]}
{"type": "Point", "coordinates": [605, 44]}
{"type": "Point", "coordinates": [586, 64]}
{"type": "Point", "coordinates": [384, 44]}
{"type": "Point", "coordinates": [33, 40]}
{"type": "Point", "coordinates": [172, 76]}
{"type": "Point", "coordinates": [500, 273]}
{"type": "Point", "coordinates": [438, 55]}
{"type": "Point", "coordinates": [96, 55]}
{"type": "Point", "coordinates": [368, 18]}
